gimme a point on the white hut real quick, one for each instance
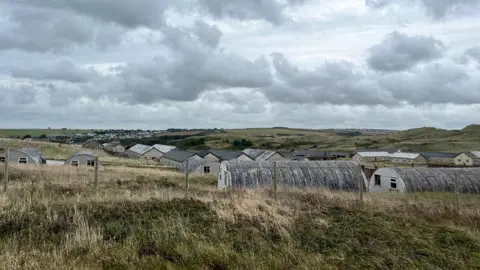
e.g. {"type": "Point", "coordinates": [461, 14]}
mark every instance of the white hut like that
{"type": "Point", "coordinates": [30, 156]}
{"type": "Point", "coordinates": [425, 179]}
{"type": "Point", "coordinates": [337, 175]}
{"type": "Point", "coordinates": [81, 158]}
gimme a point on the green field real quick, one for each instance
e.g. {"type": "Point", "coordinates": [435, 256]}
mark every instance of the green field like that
{"type": "Point", "coordinates": [37, 132]}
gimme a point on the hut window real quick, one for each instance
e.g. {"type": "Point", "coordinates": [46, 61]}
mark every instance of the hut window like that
{"type": "Point", "coordinates": [2, 159]}
{"type": "Point", "coordinates": [91, 163]}
{"type": "Point", "coordinates": [206, 169]}
{"type": "Point", "coordinates": [22, 160]}
{"type": "Point", "coordinates": [393, 183]}
{"type": "Point", "coordinates": [378, 180]}
{"type": "Point", "coordinates": [74, 163]}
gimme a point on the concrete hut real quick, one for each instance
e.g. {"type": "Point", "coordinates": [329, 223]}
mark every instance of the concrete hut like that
{"type": "Point", "coordinates": [81, 158]}
{"type": "Point", "coordinates": [29, 156]}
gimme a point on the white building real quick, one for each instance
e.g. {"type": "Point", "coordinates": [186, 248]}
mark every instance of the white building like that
{"type": "Point", "coordinates": [471, 158]}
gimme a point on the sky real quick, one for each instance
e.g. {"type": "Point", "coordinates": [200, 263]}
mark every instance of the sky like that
{"type": "Point", "coordinates": [157, 64]}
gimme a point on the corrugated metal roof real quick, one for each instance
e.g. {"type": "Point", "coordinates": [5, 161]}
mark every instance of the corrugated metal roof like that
{"type": "Point", "coordinates": [342, 175]}
{"type": "Point", "coordinates": [34, 153]}
{"type": "Point", "coordinates": [374, 154]}
{"type": "Point", "coordinates": [225, 154]}
{"type": "Point", "coordinates": [476, 153]}
{"type": "Point", "coordinates": [86, 153]}
{"type": "Point", "coordinates": [253, 153]}
{"type": "Point", "coordinates": [259, 154]}
{"type": "Point", "coordinates": [440, 179]}
{"type": "Point", "coordinates": [164, 148]}
{"type": "Point", "coordinates": [178, 155]}
{"type": "Point", "coordinates": [439, 155]}
{"type": "Point", "coordinates": [140, 149]}
{"type": "Point", "coordinates": [404, 155]}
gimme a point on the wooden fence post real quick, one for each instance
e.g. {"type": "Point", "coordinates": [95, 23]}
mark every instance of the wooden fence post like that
{"type": "Point", "coordinates": [6, 175]}
{"type": "Point", "coordinates": [275, 180]}
{"type": "Point", "coordinates": [361, 185]}
{"type": "Point", "coordinates": [96, 173]}
{"type": "Point", "coordinates": [457, 195]}
{"type": "Point", "coordinates": [186, 179]}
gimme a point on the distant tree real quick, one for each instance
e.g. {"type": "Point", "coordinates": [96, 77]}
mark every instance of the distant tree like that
{"type": "Point", "coordinates": [241, 144]}
{"type": "Point", "coordinates": [43, 136]}
{"type": "Point", "coordinates": [27, 136]}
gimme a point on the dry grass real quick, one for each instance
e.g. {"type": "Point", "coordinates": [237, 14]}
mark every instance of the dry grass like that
{"type": "Point", "coordinates": [52, 218]}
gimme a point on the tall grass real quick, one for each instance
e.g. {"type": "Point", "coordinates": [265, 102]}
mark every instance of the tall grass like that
{"type": "Point", "coordinates": [51, 218]}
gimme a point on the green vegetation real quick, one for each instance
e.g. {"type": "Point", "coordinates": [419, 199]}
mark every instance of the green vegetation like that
{"type": "Point", "coordinates": [419, 139]}
{"type": "Point", "coordinates": [20, 133]}
{"type": "Point", "coordinates": [141, 220]}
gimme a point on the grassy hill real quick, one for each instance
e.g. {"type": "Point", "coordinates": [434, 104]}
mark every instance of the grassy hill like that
{"type": "Point", "coordinates": [140, 219]}
{"type": "Point", "coordinates": [419, 139]}
{"type": "Point", "coordinates": [37, 132]}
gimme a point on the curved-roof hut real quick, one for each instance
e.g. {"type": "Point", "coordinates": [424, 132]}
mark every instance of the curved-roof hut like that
{"type": "Point", "coordinates": [201, 165]}
{"type": "Point", "coordinates": [425, 179]}
{"type": "Point", "coordinates": [337, 175]}
{"type": "Point", "coordinates": [31, 156]}
{"type": "Point", "coordinates": [82, 158]}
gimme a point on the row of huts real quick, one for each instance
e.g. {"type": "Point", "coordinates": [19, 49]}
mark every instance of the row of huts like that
{"type": "Point", "coordinates": [471, 158]}
{"type": "Point", "coordinates": [33, 156]}
{"type": "Point", "coordinates": [254, 168]}
{"type": "Point", "coordinates": [346, 176]}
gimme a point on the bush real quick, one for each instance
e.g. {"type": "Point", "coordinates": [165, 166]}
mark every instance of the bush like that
{"type": "Point", "coordinates": [241, 144]}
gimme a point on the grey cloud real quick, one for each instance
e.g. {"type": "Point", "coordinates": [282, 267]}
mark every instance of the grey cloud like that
{"type": "Point", "coordinates": [400, 52]}
{"type": "Point", "coordinates": [343, 83]}
{"type": "Point", "coordinates": [196, 67]}
{"type": "Point", "coordinates": [127, 13]}
{"type": "Point", "coordinates": [63, 70]}
{"type": "Point", "coordinates": [334, 83]}
{"type": "Point", "coordinates": [208, 34]}
{"type": "Point", "coordinates": [56, 25]}
{"type": "Point", "coordinates": [437, 9]}
{"type": "Point", "coordinates": [433, 84]}
{"type": "Point", "coordinates": [270, 10]}
{"type": "Point", "coordinates": [378, 3]}
{"type": "Point", "coordinates": [42, 30]}
{"type": "Point", "coordinates": [472, 53]}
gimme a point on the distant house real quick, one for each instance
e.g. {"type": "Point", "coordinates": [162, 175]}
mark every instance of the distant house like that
{"type": "Point", "coordinates": [94, 145]}
{"type": "Point", "coordinates": [440, 158]}
{"type": "Point", "coordinates": [407, 158]}
{"type": "Point", "coordinates": [177, 157]}
{"type": "Point", "coordinates": [81, 159]}
{"type": "Point", "coordinates": [222, 155]}
{"type": "Point", "coordinates": [30, 156]}
{"type": "Point", "coordinates": [319, 155]}
{"type": "Point", "coordinates": [471, 158]}
{"type": "Point", "coordinates": [164, 148]}
{"type": "Point", "coordinates": [292, 157]}
{"type": "Point", "coordinates": [114, 146]}
{"type": "Point", "coordinates": [264, 155]}
{"type": "Point", "coordinates": [144, 152]}
{"type": "Point", "coordinates": [149, 152]}
{"type": "Point", "coordinates": [360, 157]}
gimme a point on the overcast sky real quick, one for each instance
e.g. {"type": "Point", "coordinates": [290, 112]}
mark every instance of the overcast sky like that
{"type": "Point", "coordinates": [156, 64]}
